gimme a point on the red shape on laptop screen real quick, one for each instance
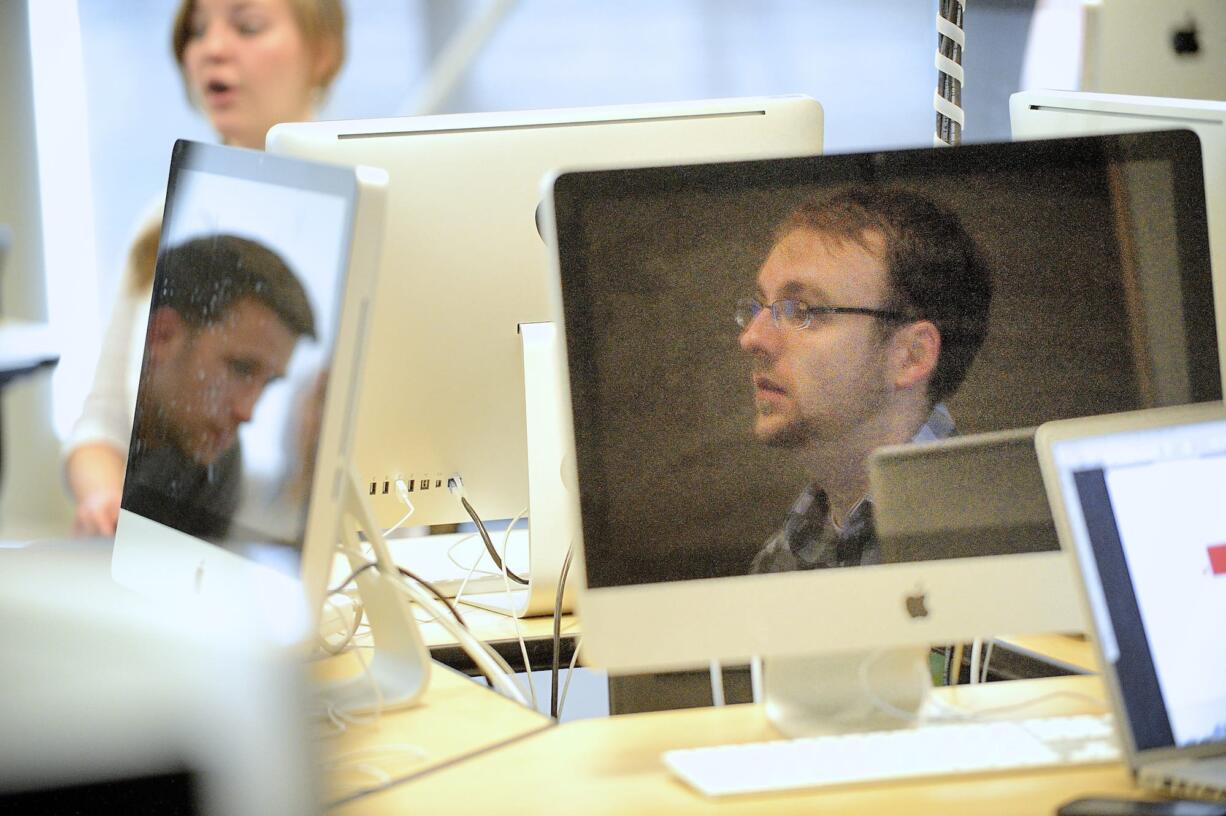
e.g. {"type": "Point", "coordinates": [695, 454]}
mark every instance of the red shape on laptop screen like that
{"type": "Point", "coordinates": [1217, 559]}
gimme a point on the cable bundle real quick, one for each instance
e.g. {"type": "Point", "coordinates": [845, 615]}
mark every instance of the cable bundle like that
{"type": "Point", "coordinates": [947, 99]}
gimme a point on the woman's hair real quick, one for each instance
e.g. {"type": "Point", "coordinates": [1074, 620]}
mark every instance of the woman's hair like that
{"type": "Point", "coordinates": [143, 257]}
{"type": "Point", "coordinates": [322, 23]}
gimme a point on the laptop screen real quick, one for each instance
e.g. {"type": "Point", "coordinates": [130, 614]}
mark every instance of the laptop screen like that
{"type": "Point", "coordinates": [1148, 512]}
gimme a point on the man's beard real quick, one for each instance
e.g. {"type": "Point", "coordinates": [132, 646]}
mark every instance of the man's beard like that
{"type": "Point", "coordinates": [795, 434]}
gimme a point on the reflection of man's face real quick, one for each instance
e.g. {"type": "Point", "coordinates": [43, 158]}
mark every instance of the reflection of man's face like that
{"type": "Point", "coordinates": [204, 382]}
{"type": "Point", "coordinates": [818, 383]}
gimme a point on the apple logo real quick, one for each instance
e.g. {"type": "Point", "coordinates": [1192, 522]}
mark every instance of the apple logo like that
{"type": "Point", "coordinates": [917, 604]}
{"type": "Point", "coordinates": [1184, 40]}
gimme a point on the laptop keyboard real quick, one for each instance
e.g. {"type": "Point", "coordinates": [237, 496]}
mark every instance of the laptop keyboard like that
{"type": "Point", "coordinates": [935, 749]}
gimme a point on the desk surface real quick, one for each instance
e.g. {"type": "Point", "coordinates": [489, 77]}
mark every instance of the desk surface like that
{"type": "Point", "coordinates": [613, 765]}
{"type": "Point", "coordinates": [457, 717]}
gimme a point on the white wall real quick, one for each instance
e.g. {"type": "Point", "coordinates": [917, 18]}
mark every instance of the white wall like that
{"type": "Point", "coordinates": [31, 501]}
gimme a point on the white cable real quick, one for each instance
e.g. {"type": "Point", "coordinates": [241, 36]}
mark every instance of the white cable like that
{"type": "Point", "coordinates": [337, 648]}
{"type": "Point", "coordinates": [987, 656]}
{"type": "Point", "coordinates": [954, 713]}
{"type": "Point", "coordinates": [402, 493]}
{"type": "Point", "coordinates": [976, 656]}
{"type": "Point", "coordinates": [755, 680]}
{"type": "Point", "coordinates": [459, 595]}
{"type": "Point", "coordinates": [717, 684]}
{"type": "Point", "coordinates": [574, 658]}
{"type": "Point", "coordinates": [488, 661]}
{"type": "Point", "coordinates": [455, 562]}
{"type": "Point", "coordinates": [506, 583]}
{"type": "Point", "coordinates": [474, 648]}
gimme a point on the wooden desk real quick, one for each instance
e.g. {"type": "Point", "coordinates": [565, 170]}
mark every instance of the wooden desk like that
{"type": "Point", "coordinates": [457, 718]}
{"type": "Point", "coordinates": [613, 765]}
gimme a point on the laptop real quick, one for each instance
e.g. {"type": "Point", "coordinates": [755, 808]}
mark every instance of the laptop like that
{"type": "Point", "coordinates": [1139, 498]}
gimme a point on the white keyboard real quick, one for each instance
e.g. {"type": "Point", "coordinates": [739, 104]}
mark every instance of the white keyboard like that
{"type": "Point", "coordinates": [935, 749]}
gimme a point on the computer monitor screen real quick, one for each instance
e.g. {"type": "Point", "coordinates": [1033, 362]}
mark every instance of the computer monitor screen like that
{"type": "Point", "coordinates": [255, 326]}
{"type": "Point", "coordinates": [676, 494]}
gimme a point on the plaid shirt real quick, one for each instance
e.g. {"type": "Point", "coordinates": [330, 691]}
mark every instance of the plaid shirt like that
{"type": "Point", "coordinates": [810, 540]}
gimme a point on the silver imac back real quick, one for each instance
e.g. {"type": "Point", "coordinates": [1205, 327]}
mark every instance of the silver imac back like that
{"type": "Point", "coordinates": [464, 295]}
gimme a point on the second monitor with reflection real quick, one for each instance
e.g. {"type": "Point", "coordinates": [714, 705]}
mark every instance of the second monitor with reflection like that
{"type": "Point", "coordinates": [677, 495]}
{"type": "Point", "coordinates": [462, 301]}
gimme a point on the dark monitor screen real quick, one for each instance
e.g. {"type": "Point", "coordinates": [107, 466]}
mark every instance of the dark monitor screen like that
{"type": "Point", "coordinates": [1102, 302]}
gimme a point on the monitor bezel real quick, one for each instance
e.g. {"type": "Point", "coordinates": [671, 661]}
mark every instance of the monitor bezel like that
{"type": "Point", "coordinates": [161, 561]}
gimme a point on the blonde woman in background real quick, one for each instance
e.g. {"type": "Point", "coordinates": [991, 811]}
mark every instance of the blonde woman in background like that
{"type": "Point", "coordinates": [247, 65]}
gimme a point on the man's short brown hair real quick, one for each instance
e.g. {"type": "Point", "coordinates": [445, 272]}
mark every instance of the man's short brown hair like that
{"type": "Point", "coordinates": [935, 270]}
{"type": "Point", "coordinates": [203, 277]}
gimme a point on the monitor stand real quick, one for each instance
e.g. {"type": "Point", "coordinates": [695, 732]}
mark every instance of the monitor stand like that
{"type": "Point", "coordinates": [878, 690]}
{"type": "Point", "coordinates": [399, 670]}
{"type": "Point", "coordinates": [551, 520]}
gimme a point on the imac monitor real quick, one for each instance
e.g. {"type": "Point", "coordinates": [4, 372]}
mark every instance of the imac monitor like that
{"type": "Point", "coordinates": [1055, 114]}
{"type": "Point", "coordinates": [239, 453]}
{"type": "Point", "coordinates": [676, 495]}
{"type": "Point", "coordinates": [463, 294]}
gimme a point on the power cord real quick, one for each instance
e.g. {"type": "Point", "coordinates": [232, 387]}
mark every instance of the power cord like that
{"type": "Point", "coordinates": [402, 493]}
{"type": "Point", "coordinates": [557, 635]}
{"type": "Point", "coordinates": [466, 639]}
{"type": "Point", "coordinates": [506, 584]}
{"type": "Point", "coordinates": [455, 485]}
{"type": "Point", "coordinates": [951, 713]}
{"type": "Point", "coordinates": [570, 671]}
{"type": "Point", "coordinates": [488, 661]}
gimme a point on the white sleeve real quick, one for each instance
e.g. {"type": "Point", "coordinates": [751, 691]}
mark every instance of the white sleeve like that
{"type": "Point", "coordinates": [106, 415]}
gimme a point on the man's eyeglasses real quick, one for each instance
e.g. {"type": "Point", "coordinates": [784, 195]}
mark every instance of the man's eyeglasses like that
{"type": "Point", "coordinates": [794, 314]}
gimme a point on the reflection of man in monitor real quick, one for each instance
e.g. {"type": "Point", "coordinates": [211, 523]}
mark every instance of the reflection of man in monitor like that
{"type": "Point", "coordinates": [869, 310]}
{"type": "Point", "coordinates": [226, 315]}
